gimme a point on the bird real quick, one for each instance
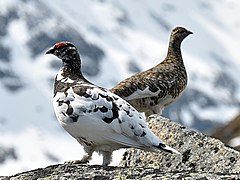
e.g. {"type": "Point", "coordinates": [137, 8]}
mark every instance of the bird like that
{"type": "Point", "coordinates": [152, 90]}
{"type": "Point", "coordinates": [97, 118]}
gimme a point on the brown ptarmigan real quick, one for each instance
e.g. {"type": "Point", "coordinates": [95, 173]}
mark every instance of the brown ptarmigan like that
{"type": "Point", "coordinates": [150, 91]}
{"type": "Point", "coordinates": [98, 119]}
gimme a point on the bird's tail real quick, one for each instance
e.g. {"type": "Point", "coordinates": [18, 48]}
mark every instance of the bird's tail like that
{"type": "Point", "coordinates": [166, 148]}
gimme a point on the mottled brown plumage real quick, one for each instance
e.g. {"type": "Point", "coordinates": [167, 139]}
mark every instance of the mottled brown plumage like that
{"type": "Point", "coordinates": [150, 91]}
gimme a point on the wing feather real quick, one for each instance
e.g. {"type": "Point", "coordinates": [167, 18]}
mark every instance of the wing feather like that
{"type": "Point", "coordinates": [113, 118]}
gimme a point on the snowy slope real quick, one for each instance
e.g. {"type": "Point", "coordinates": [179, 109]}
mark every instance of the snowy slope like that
{"type": "Point", "coordinates": [116, 38]}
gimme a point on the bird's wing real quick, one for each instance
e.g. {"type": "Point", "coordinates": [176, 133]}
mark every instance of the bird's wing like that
{"type": "Point", "coordinates": [141, 85]}
{"type": "Point", "coordinates": [109, 113]}
{"type": "Point", "coordinates": [153, 82]}
{"type": "Point", "coordinates": [141, 93]}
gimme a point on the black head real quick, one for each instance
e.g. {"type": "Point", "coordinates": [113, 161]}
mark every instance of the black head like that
{"type": "Point", "coordinates": [178, 34]}
{"type": "Point", "coordinates": [64, 51]}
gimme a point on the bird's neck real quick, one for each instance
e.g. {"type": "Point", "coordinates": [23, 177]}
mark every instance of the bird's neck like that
{"type": "Point", "coordinates": [72, 68]}
{"type": "Point", "coordinates": [174, 51]}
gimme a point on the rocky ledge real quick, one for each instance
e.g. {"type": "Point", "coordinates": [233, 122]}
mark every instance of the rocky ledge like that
{"type": "Point", "coordinates": [202, 157]}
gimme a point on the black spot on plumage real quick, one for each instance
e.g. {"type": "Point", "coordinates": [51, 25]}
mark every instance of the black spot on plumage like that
{"type": "Point", "coordinates": [108, 120]}
{"type": "Point", "coordinates": [127, 111]}
{"type": "Point", "coordinates": [86, 95]}
{"type": "Point", "coordinates": [114, 112]}
{"type": "Point", "coordinates": [103, 96]}
{"type": "Point", "coordinates": [95, 110]}
{"type": "Point", "coordinates": [109, 98]}
{"type": "Point", "coordinates": [67, 102]}
{"type": "Point", "coordinates": [103, 109]}
{"type": "Point", "coordinates": [132, 127]}
{"type": "Point", "coordinates": [141, 125]}
{"type": "Point", "coordinates": [95, 98]}
{"type": "Point", "coordinates": [69, 110]}
{"type": "Point", "coordinates": [74, 118]}
{"type": "Point", "coordinates": [115, 98]}
{"type": "Point", "coordinates": [143, 134]}
{"type": "Point", "coordinates": [60, 103]}
{"type": "Point", "coordinates": [119, 121]}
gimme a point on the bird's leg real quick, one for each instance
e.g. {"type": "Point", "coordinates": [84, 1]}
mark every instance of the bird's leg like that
{"type": "Point", "coordinates": [85, 159]}
{"type": "Point", "coordinates": [107, 158]}
{"type": "Point", "coordinates": [87, 156]}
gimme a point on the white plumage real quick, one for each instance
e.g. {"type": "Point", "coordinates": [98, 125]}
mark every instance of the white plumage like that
{"type": "Point", "coordinates": [100, 120]}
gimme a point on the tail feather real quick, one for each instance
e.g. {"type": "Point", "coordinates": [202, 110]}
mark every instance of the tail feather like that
{"type": "Point", "coordinates": [166, 148]}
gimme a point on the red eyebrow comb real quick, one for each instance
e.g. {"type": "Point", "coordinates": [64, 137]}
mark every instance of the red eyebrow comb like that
{"type": "Point", "coordinates": [61, 44]}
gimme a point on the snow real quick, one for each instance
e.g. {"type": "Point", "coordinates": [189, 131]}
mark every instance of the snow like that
{"type": "Point", "coordinates": [32, 144]}
{"type": "Point", "coordinates": [126, 31]}
{"type": "Point", "coordinates": [5, 6]}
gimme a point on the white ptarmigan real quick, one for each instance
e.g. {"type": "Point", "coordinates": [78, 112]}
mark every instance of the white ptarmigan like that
{"type": "Point", "coordinates": [98, 119]}
{"type": "Point", "coordinates": [152, 90]}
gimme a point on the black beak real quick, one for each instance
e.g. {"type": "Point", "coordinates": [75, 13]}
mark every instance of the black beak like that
{"type": "Point", "coordinates": [190, 32]}
{"type": "Point", "coordinates": [50, 51]}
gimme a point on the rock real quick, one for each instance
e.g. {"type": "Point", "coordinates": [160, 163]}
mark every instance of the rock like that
{"type": "Point", "coordinates": [7, 153]}
{"type": "Point", "coordinates": [202, 157]}
{"type": "Point", "coordinates": [200, 153]}
{"type": "Point", "coordinates": [65, 172]}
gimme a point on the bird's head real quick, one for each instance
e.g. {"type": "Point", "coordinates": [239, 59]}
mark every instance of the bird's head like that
{"type": "Point", "coordinates": [64, 51]}
{"type": "Point", "coordinates": [178, 34]}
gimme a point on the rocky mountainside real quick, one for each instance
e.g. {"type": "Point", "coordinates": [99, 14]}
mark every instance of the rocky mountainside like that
{"type": "Point", "coordinates": [116, 39]}
{"type": "Point", "coordinates": [202, 158]}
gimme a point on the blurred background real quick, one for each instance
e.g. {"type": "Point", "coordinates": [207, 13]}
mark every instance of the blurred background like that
{"type": "Point", "coordinates": [116, 38]}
